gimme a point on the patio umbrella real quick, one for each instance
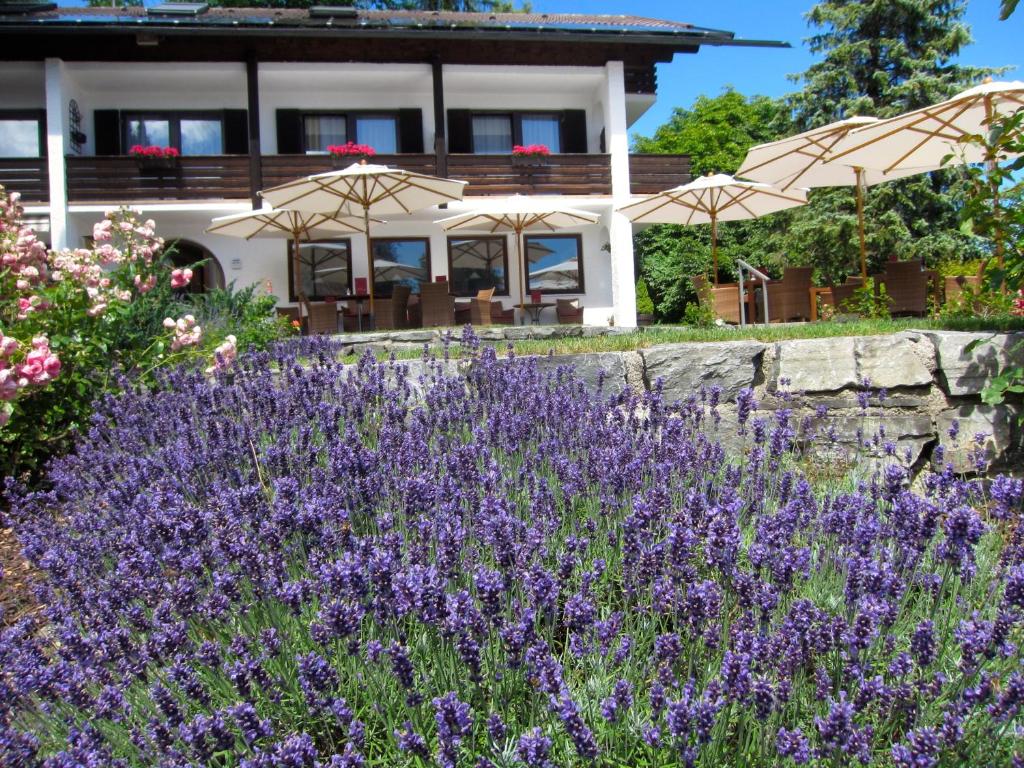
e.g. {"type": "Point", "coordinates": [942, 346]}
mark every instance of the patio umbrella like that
{"type": "Point", "coordinates": [518, 214]}
{"type": "Point", "coordinates": [283, 223]}
{"type": "Point", "coordinates": [556, 277]}
{"type": "Point", "coordinates": [801, 161]}
{"type": "Point", "coordinates": [365, 190]}
{"type": "Point", "coordinates": [926, 137]}
{"type": "Point", "coordinates": [711, 199]}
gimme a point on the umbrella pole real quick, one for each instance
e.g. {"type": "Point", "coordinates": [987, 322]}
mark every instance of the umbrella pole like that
{"type": "Point", "coordinates": [714, 249]}
{"type": "Point", "coordinates": [369, 260]}
{"type": "Point", "coordinates": [522, 275]}
{"type": "Point", "coordinates": [860, 223]}
{"type": "Point", "coordinates": [300, 293]}
{"type": "Point", "coordinates": [989, 167]}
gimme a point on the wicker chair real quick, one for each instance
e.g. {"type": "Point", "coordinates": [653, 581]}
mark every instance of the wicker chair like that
{"type": "Point", "coordinates": [323, 318]}
{"type": "Point", "coordinates": [569, 311]}
{"type": "Point", "coordinates": [723, 300]}
{"type": "Point", "coordinates": [393, 312]}
{"type": "Point", "coordinates": [906, 285]}
{"type": "Point", "coordinates": [477, 311]}
{"type": "Point", "coordinates": [437, 307]}
{"type": "Point", "coordinates": [790, 298]}
{"type": "Point", "coordinates": [502, 316]}
{"type": "Point", "coordinates": [843, 293]}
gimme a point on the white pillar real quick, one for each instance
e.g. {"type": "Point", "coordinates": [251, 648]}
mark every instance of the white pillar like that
{"type": "Point", "coordinates": [620, 229]}
{"type": "Point", "coordinates": [56, 129]}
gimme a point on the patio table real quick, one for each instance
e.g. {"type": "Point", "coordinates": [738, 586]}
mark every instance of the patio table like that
{"type": "Point", "coordinates": [816, 291]}
{"type": "Point", "coordinates": [534, 309]}
{"type": "Point", "coordinates": [358, 298]}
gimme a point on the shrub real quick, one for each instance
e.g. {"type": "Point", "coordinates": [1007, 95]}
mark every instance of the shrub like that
{"type": "Point", "coordinates": [339, 566]}
{"type": "Point", "coordinates": [72, 321]}
{"type": "Point", "coordinates": [644, 305]}
{"type": "Point", "coordinates": [869, 301]}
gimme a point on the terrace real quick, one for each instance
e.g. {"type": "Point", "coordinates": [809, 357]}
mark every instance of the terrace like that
{"type": "Point", "coordinates": [120, 178]}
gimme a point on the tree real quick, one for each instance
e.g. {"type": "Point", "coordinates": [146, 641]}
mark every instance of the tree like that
{"type": "Point", "coordinates": [883, 58]}
{"type": "Point", "coordinates": [1006, 9]}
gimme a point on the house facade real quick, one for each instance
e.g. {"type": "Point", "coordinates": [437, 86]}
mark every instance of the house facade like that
{"type": "Point", "coordinates": [251, 98]}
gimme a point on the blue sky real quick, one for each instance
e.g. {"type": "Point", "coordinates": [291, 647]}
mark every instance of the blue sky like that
{"type": "Point", "coordinates": [754, 70]}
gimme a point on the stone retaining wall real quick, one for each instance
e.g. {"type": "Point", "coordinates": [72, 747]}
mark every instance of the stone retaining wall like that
{"type": "Point", "coordinates": [919, 383]}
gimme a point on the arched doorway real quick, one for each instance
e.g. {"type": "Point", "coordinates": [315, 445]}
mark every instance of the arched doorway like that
{"type": "Point", "coordinates": [205, 277]}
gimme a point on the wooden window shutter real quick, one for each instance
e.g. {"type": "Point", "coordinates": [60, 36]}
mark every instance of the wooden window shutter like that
{"type": "Point", "coordinates": [106, 127]}
{"type": "Point", "coordinates": [289, 132]}
{"type": "Point", "coordinates": [460, 131]}
{"type": "Point", "coordinates": [236, 132]}
{"type": "Point", "coordinates": [574, 131]}
{"type": "Point", "coordinates": [410, 130]}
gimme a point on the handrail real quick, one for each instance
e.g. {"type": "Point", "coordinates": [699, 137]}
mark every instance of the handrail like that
{"type": "Point", "coordinates": [764, 292]}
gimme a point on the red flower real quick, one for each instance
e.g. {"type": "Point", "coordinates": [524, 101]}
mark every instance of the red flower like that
{"type": "Point", "coordinates": [531, 150]}
{"type": "Point", "coordinates": [138, 150]}
{"type": "Point", "coordinates": [351, 149]}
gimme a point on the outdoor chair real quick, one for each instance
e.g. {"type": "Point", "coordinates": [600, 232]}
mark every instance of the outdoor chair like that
{"type": "Point", "coordinates": [476, 311]}
{"type": "Point", "coordinates": [393, 312]}
{"type": "Point", "coordinates": [437, 307]}
{"type": "Point", "coordinates": [906, 285]}
{"type": "Point", "coordinates": [843, 293]}
{"type": "Point", "coordinates": [502, 316]}
{"type": "Point", "coordinates": [790, 298]}
{"type": "Point", "coordinates": [569, 311]}
{"type": "Point", "coordinates": [723, 300]}
{"type": "Point", "coordinates": [323, 318]}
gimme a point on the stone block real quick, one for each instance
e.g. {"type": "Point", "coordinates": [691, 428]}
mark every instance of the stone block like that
{"type": "Point", "coordinates": [853, 437]}
{"type": "Point", "coordinates": [999, 425]}
{"type": "Point", "coordinates": [815, 365]}
{"type": "Point", "coordinates": [889, 362]}
{"type": "Point", "coordinates": [963, 372]}
{"type": "Point", "coordinates": [685, 368]}
{"type": "Point", "coordinates": [589, 367]}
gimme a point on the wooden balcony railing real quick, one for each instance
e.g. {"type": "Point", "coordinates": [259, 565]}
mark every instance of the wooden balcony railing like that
{"type": "Point", "coordinates": [28, 175]}
{"type": "Point", "coordinates": [552, 175]}
{"type": "Point", "coordinates": [649, 174]}
{"type": "Point", "coordinates": [226, 177]}
{"type": "Point", "coordinates": [278, 169]}
{"type": "Point", "coordinates": [116, 179]}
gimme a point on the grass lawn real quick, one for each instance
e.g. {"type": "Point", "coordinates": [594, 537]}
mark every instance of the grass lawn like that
{"type": "Point", "coordinates": [650, 336]}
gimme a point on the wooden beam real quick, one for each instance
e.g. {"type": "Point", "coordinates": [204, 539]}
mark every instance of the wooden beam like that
{"type": "Point", "coordinates": [252, 88]}
{"type": "Point", "coordinates": [440, 140]}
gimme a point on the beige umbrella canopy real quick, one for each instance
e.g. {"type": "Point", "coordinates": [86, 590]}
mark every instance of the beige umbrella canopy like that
{"type": "Point", "coordinates": [282, 223]}
{"type": "Point", "coordinates": [802, 161]}
{"type": "Point", "coordinates": [518, 214]}
{"type": "Point", "coordinates": [711, 199]}
{"type": "Point", "coordinates": [365, 190]}
{"type": "Point", "coordinates": [927, 136]}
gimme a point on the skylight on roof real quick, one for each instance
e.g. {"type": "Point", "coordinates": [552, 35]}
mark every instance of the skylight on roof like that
{"type": "Point", "coordinates": [177, 9]}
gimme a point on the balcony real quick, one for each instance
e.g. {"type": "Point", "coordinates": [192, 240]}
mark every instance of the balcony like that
{"type": "Point", "coordinates": [29, 176]}
{"type": "Point", "coordinates": [120, 179]}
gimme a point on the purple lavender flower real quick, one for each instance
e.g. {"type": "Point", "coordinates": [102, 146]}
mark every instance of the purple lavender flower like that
{"type": "Point", "coordinates": [534, 748]}
{"type": "Point", "coordinates": [794, 745]}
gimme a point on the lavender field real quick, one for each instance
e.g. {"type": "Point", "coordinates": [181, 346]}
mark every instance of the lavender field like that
{"type": "Point", "coordinates": [303, 564]}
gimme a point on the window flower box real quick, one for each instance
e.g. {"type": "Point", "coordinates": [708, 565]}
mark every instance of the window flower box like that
{"type": "Point", "coordinates": [530, 155]}
{"type": "Point", "coordinates": [154, 157]}
{"type": "Point", "coordinates": [346, 154]}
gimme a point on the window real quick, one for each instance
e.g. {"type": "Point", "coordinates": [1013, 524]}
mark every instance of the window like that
{"type": "Point", "coordinates": [400, 261]}
{"type": "Point", "coordinates": [492, 134]}
{"type": "Point", "coordinates": [554, 263]}
{"type": "Point", "coordinates": [21, 134]}
{"type": "Point", "coordinates": [192, 133]}
{"type": "Point", "coordinates": [321, 130]}
{"type": "Point", "coordinates": [542, 129]}
{"type": "Point", "coordinates": [325, 267]}
{"type": "Point", "coordinates": [477, 263]}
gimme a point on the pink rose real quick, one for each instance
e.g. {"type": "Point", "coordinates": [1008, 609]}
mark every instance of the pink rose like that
{"type": "Point", "coordinates": [180, 278]}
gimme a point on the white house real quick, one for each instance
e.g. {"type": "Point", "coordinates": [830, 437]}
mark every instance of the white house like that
{"type": "Point", "coordinates": [252, 98]}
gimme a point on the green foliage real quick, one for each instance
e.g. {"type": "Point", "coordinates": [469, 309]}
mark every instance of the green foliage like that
{"type": "Point", "coordinates": [644, 305]}
{"type": "Point", "coordinates": [957, 268]}
{"type": "Point", "coordinates": [870, 301]}
{"type": "Point", "coordinates": [1006, 9]}
{"type": "Point", "coordinates": [699, 314]}
{"type": "Point", "coordinates": [977, 303]}
{"type": "Point", "coordinates": [716, 132]}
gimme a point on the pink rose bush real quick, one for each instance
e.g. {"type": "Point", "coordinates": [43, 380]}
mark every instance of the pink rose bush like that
{"type": "Point", "coordinates": [74, 321]}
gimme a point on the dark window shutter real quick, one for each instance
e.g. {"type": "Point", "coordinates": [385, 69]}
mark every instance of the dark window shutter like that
{"type": "Point", "coordinates": [410, 130]}
{"type": "Point", "coordinates": [236, 132]}
{"type": "Point", "coordinates": [107, 131]}
{"type": "Point", "coordinates": [574, 131]}
{"type": "Point", "coordinates": [460, 131]}
{"type": "Point", "coordinates": [289, 132]}
{"type": "Point", "coordinates": [602, 147]}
